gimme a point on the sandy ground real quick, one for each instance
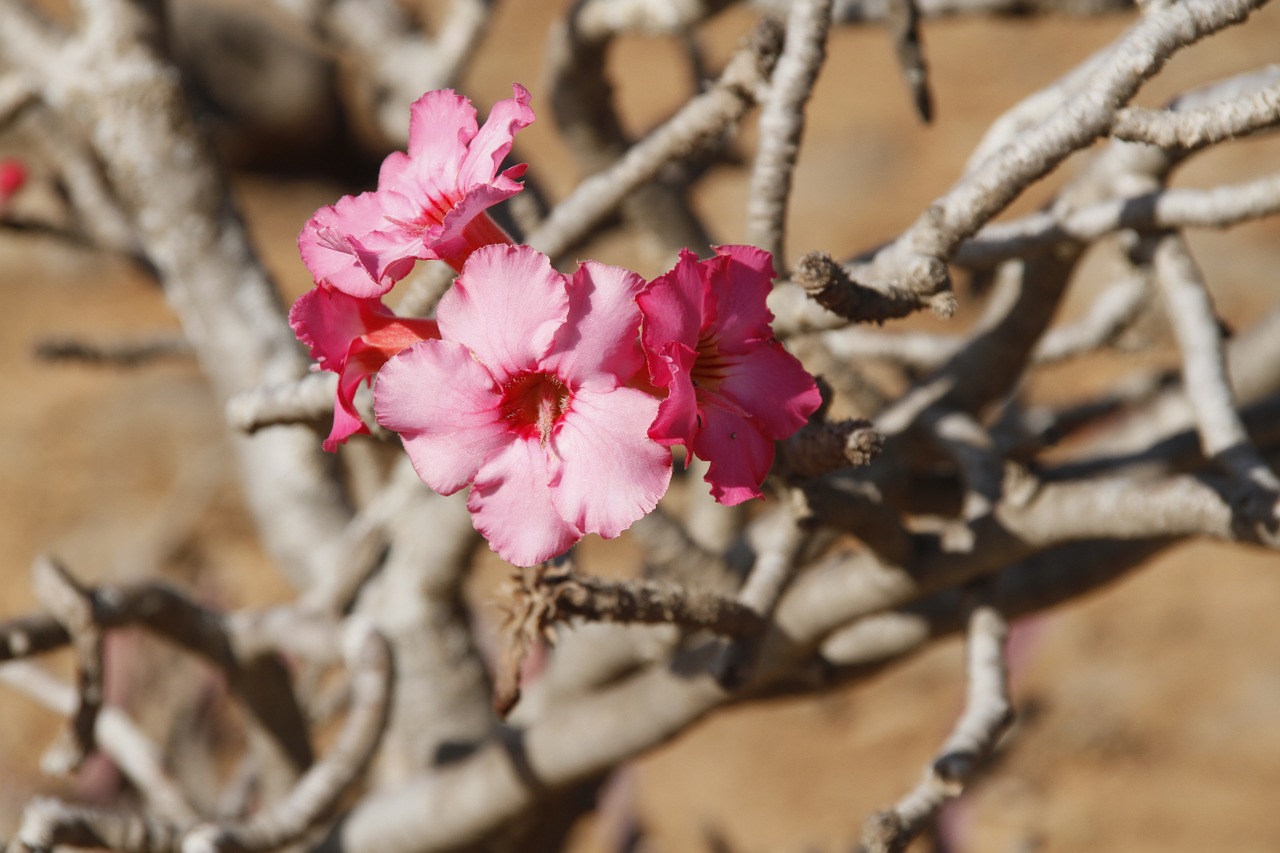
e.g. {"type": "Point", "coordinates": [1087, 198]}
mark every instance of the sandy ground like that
{"type": "Point", "coordinates": [1148, 711]}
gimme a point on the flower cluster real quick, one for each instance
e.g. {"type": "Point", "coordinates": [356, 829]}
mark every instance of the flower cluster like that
{"type": "Point", "coordinates": [554, 397]}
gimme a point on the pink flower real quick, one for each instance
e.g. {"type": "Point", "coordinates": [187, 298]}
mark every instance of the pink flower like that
{"type": "Point", "coordinates": [13, 175]}
{"type": "Point", "coordinates": [353, 338]}
{"type": "Point", "coordinates": [525, 398]}
{"type": "Point", "coordinates": [732, 390]}
{"type": "Point", "coordinates": [430, 203]}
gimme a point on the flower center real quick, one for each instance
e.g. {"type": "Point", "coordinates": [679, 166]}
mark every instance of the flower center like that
{"type": "Point", "coordinates": [533, 403]}
{"type": "Point", "coordinates": [710, 368]}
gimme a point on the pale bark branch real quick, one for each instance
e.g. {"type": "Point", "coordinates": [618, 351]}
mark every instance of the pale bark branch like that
{"type": "Point", "coordinates": [782, 124]}
{"type": "Point", "coordinates": [987, 714]}
{"type": "Point", "coordinates": [118, 737]}
{"type": "Point", "coordinates": [318, 792]}
{"type": "Point", "coordinates": [915, 261]}
{"type": "Point", "coordinates": [72, 605]}
{"type": "Point", "coordinates": [1198, 127]}
{"type": "Point", "coordinates": [704, 117]}
{"type": "Point", "coordinates": [1163, 209]}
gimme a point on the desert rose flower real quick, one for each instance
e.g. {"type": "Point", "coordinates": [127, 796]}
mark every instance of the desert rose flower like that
{"type": "Point", "coordinates": [13, 176]}
{"type": "Point", "coordinates": [524, 397]}
{"type": "Point", "coordinates": [732, 390]}
{"type": "Point", "coordinates": [430, 203]}
{"type": "Point", "coordinates": [353, 338]}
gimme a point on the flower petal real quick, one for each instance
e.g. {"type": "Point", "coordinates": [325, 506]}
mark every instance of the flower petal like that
{"type": "Point", "coordinates": [511, 505]}
{"type": "Point", "coordinates": [600, 334]}
{"type": "Point", "coordinates": [327, 321]}
{"type": "Point", "coordinates": [739, 455]}
{"type": "Point", "coordinates": [672, 306]}
{"type": "Point", "coordinates": [740, 280]}
{"type": "Point", "coordinates": [493, 142]}
{"type": "Point", "coordinates": [610, 472]}
{"type": "Point", "coordinates": [466, 227]}
{"type": "Point", "coordinates": [346, 419]}
{"type": "Point", "coordinates": [332, 250]}
{"type": "Point", "coordinates": [506, 306]}
{"type": "Point", "coordinates": [445, 406]}
{"type": "Point", "coordinates": [677, 418]}
{"type": "Point", "coordinates": [772, 385]}
{"type": "Point", "coordinates": [441, 124]}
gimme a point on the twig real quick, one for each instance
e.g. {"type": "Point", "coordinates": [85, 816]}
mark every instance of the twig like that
{"type": "Point", "coordinates": [822, 447]}
{"type": "Point", "coordinates": [873, 11]}
{"type": "Point", "coordinates": [48, 824]}
{"type": "Point", "coordinates": [555, 594]}
{"type": "Point", "coordinates": [72, 605]}
{"type": "Point", "coordinates": [1222, 433]}
{"type": "Point", "coordinates": [397, 62]}
{"type": "Point", "coordinates": [1112, 313]}
{"type": "Point", "coordinates": [782, 124]}
{"type": "Point", "coordinates": [987, 714]}
{"type": "Point", "coordinates": [1198, 127]}
{"type": "Point", "coordinates": [115, 734]}
{"type": "Point", "coordinates": [1163, 209]}
{"type": "Point", "coordinates": [262, 684]}
{"type": "Point", "coordinates": [915, 260]}
{"type": "Point", "coordinates": [702, 118]}
{"type": "Point", "coordinates": [903, 20]}
{"type": "Point", "coordinates": [829, 284]}
{"type": "Point", "coordinates": [115, 354]}
{"type": "Point", "coordinates": [368, 658]}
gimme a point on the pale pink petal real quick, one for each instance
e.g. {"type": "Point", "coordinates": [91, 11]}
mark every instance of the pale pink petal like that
{"type": "Point", "coordinates": [441, 124]}
{"type": "Point", "coordinates": [677, 418]}
{"type": "Point", "coordinates": [740, 281]}
{"type": "Point", "coordinates": [672, 306]}
{"type": "Point", "coordinates": [774, 388]}
{"type": "Point", "coordinates": [610, 472]}
{"type": "Point", "coordinates": [395, 166]}
{"type": "Point", "coordinates": [493, 142]}
{"type": "Point", "coordinates": [331, 248]}
{"type": "Point", "coordinates": [739, 456]}
{"type": "Point", "coordinates": [446, 407]}
{"type": "Point", "coordinates": [600, 334]}
{"type": "Point", "coordinates": [511, 505]}
{"type": "Point", "coordinates": [506, 306]}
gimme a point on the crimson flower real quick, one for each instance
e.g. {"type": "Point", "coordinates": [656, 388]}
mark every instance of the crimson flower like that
{"type": "Point", "coordinates": [13, 175]}
{"type": "Point", "coordinates": [732, 390]}
{"type": "Point", "coordinates": [352, 337]}
{"type": "Point", "coordinates": [430, 203]}
{"type": "Point", "coordinates": [525, 398]}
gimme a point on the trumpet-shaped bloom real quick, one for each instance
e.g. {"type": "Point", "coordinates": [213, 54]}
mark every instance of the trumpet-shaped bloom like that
{"type": "Point", "coordinates": [353, 338]}
{"type": "Point", "coordinates": [430, 202]}
{"type": "Point", "coordinates": [524, 397]}
{"type": "Point", "coordinates": [732, 390]}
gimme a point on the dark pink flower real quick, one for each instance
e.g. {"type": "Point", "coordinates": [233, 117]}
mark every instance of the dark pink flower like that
{"type": "Point", "coordinates": [524, 397]}
{"type": "Point", "coordinates": [13, 175]}
{"type": "Point", "coordinates": [732, 390]}
{"type": "Point", "coordinates": [430, 203]}
{"type": "Point", "coordinates": [353, 338]}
